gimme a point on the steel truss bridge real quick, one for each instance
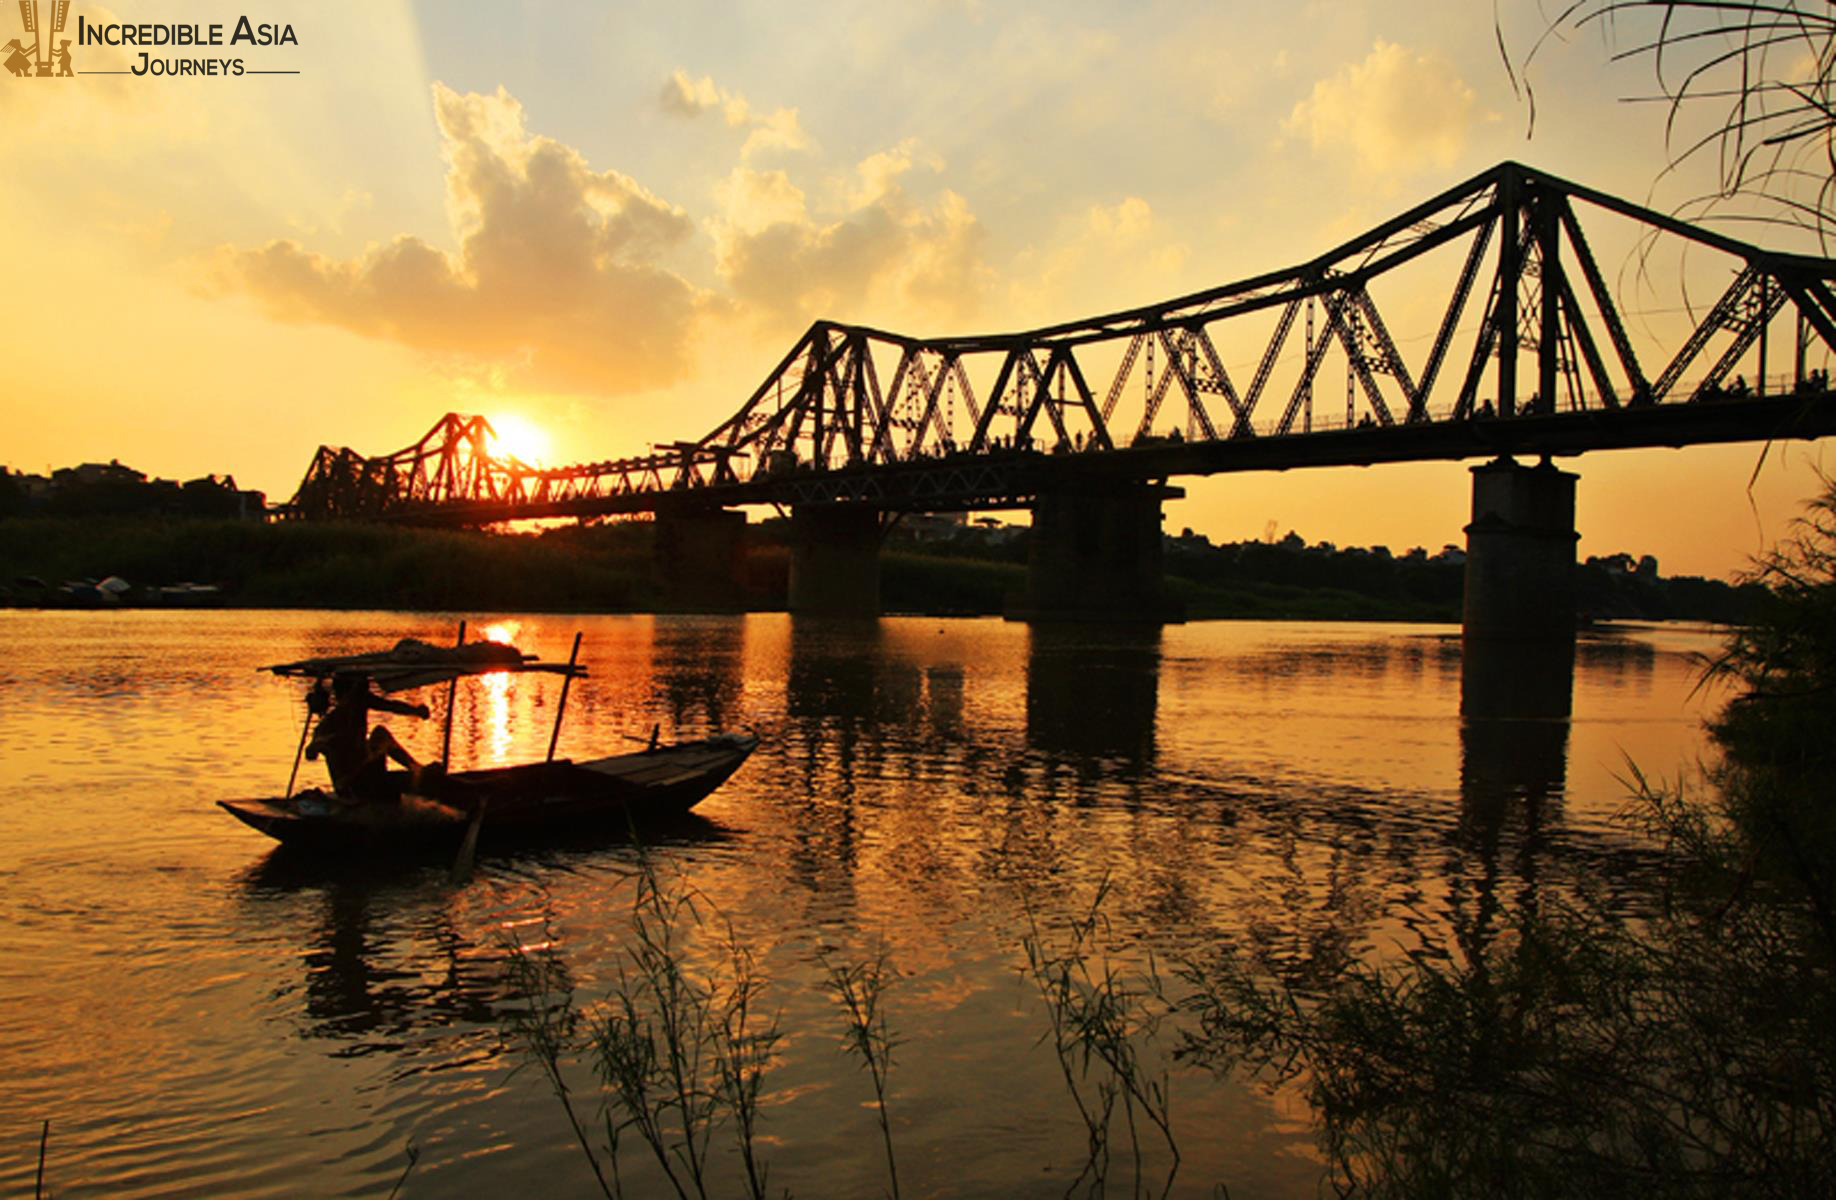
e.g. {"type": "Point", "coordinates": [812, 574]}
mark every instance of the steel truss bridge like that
{"type": "Point", "coordinates": [1526, 351]}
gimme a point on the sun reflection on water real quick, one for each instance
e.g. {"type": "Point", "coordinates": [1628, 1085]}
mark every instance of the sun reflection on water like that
{"type": "Point", "coordinates": [499, 690]}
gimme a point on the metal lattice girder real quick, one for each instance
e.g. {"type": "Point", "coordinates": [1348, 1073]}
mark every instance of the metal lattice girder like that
{"type": "Point", "coordinates": [1418, 409]}
{"type": "Point", "coordinates": [1770, 300]}
{"type": "Point", "coordinates": [1539, 209]}
{"type": "Point", "coordinates": [1393, 364]}
{"type": "Point", "coordinates": [1719, 317]}
{"type": "Point", "coordinates": [1121, 380]}
{"type": "Point", "coordinates": [1335, 312]}
{"type": "Point", "coordinates": [1264, 369]}
{"type": "Point", "coordinates": [824, 412]}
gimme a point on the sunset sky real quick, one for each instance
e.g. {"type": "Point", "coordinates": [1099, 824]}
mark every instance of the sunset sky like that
{"type": "Point", "coordinates": [608, 222]}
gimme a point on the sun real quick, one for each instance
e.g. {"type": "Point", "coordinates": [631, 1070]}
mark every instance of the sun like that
{"type": "Point", "coordinates": [517, 437]}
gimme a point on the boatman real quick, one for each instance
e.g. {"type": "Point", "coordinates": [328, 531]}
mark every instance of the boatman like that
{"type": "Point", "coordinates": [358, 762]}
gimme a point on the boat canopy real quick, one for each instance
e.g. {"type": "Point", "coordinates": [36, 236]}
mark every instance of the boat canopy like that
{"type": "Point", "coordinates": [413, 663]}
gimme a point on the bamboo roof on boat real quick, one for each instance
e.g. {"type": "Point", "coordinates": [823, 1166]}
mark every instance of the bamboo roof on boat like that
{"type": "Point", "coordinates": [412, 663]}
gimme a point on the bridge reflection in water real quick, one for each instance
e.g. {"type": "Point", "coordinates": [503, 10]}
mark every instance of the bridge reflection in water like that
{"type": "Point", "coordinates": [1092, 693]}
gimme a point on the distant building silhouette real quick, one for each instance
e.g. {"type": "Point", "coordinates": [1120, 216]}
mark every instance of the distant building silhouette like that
{"type": "Point", "coordinates": [116, 489]}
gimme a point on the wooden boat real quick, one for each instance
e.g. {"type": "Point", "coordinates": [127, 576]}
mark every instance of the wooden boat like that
{"type": "Point", "coordinates": [444, 809]}
{"type": "Point", "coordinates": [520, 803]}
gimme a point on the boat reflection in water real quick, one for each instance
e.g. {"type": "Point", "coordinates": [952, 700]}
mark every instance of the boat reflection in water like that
{"type": "Point", "coordinates": [392, 957]}
{"type": "Point", "coordinates": [696, 682]}
{"type": "Point", "coordinates": [380, 968]}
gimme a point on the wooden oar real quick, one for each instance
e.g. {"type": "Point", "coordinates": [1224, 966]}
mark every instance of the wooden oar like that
{"type": "Point", "coordinates": [468, 849]}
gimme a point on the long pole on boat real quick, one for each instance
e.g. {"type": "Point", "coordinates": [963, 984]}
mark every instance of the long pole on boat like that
{"type": "Point", "coordinates": [561, 708]}
{"type": "Point", "coordinates": [452, 694]}
{"type": "Point", "coordinates": [293, 776]}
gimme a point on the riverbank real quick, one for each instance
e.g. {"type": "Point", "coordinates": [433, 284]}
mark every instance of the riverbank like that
{"type": "Point", "coordinates": [609, 568]}
{"type": "Point", "coordinates": [305, 565]}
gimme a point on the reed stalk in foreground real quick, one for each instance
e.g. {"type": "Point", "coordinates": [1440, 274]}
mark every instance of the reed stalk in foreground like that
{"type": "Point", "coordinates": [678, 1054]}
{"type": "Point", "coordinates": [1096, 1016]}
{"type": "Point", "coordinates": [414, 1156]}
{"type": "Point", "coordinates": [546, 1031]}
{"type": "Point", "coordinates": [681, 1054]}
{"type": "Point", "coordinates": [742, 1052]}
{"type": "Point", "coordinates": [859, 987]}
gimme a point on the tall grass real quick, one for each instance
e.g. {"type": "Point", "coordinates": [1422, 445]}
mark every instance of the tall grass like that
{"type": "Point", "coordinates": [860, 987]}
{"type": "Point", "coordinates": [678, 1053]}
{"type": "Point", "coordinates": [682, 1053]}
{"type": "Point", "coordinates": [1099, 1017]}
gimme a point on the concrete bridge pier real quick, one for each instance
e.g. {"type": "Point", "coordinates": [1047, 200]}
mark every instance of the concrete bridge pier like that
{"type": "Point", "coordinates": [1519, 611]}
{"type": "Point", "coordinates": [835, 560]}
{"type": "Point", "coordinates": [699, 559]}
{"type": "Point", "coordinates": [1096, 556]}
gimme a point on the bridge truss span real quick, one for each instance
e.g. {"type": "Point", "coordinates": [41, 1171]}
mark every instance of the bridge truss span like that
{"type": "Point", "coordinates": [1521, 322]}
{"type": "Point", "coordinates": [1478, 323]}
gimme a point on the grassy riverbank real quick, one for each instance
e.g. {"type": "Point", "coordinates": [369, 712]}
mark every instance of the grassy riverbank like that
{"type": "Point", "coordinates": [1554, 1047]}
{"type": "Point", "coordinates": [340, 566]}
{"type": "Point", "coordinates": [610, 568]}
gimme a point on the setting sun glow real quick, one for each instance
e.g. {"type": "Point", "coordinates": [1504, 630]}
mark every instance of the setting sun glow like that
{"type": "Point", "coordinates": [516, 437]}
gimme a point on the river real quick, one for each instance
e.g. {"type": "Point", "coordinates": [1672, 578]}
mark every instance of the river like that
{"type": "Point", "coordinates": [194, 1015]}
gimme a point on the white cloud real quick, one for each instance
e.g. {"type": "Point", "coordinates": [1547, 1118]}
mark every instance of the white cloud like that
{"type": "Point", "coordinates": [878, 249]}
{"type": "Point", "coordinates": [1127, 220]}
{"type": "Point", "coordinates": [1395, 111]}
{"type": "Point", "coordinates": [557, 277]}
{"type": "Point", "coordinates": [686, 96]}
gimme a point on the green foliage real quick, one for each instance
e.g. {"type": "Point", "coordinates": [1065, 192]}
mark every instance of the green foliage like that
{"type": "Point", "coordinates": [929, 583]}
{"type": "Point", "coordinates": [1691, 1053]}
{"type": "Point", "coordinates": [1574, 1055]}
{"type": "Point", "coordinates": [313, 565]}
{"type": "Point", "coordinates": [12, 496]}
{"type": "Point", "coordinates": [1780, 756]}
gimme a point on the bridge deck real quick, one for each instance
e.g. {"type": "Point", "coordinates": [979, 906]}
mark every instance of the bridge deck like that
{"type": "Point", "coordinates": [1009, 479]}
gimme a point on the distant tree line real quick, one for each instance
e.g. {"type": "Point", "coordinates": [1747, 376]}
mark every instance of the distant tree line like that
{"type": "Point", "coordinates": [111, 489]}
{"type": "Point", "coordinates": [1413, 583]}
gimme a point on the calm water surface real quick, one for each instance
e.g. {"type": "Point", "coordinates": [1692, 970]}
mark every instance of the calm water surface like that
{"type": "Point", "coordinates": [196, 1016]}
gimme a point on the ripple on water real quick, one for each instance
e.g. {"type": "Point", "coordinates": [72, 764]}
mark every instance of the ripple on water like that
{"type": "Point", "coordinates": [196, 1016]}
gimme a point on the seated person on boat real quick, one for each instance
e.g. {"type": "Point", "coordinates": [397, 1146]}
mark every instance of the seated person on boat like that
{"type": "Point", "coordinates": [359, 763]}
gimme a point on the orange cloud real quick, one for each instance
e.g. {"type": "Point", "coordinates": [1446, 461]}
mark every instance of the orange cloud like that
{"type": "Point", "coordinates": [558, 276]}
